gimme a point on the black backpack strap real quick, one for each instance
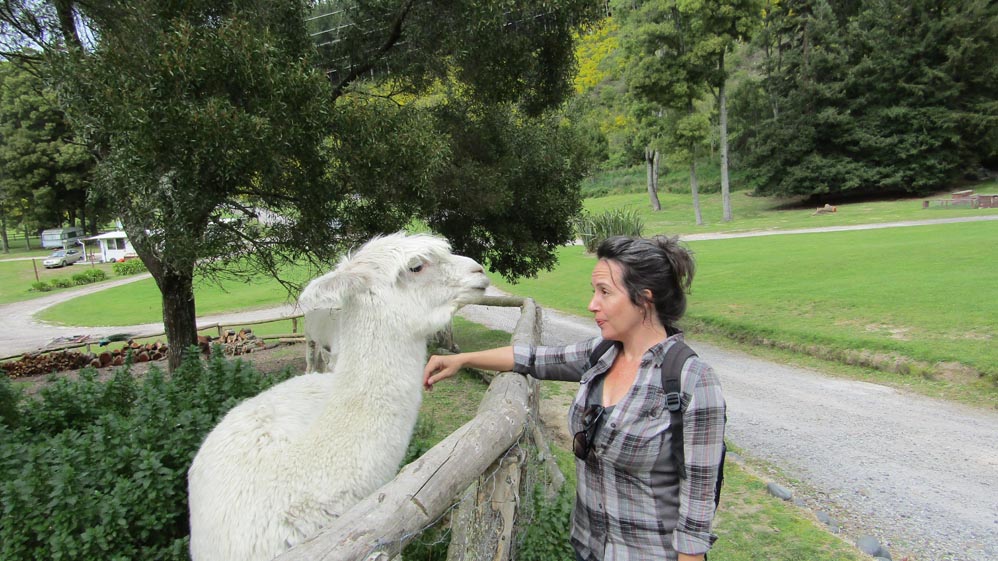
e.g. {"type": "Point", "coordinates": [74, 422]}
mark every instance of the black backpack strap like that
{"type": "Point", "coordinates": [672, 371]}
{"type": "Point", "coordinates": [599, 350]}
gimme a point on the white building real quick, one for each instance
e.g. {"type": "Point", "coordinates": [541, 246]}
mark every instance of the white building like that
{"type": "Point", "coordinates": [114, 246]}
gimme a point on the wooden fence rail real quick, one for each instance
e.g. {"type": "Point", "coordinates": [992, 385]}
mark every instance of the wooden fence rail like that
{"type": "Point", "coordinates": [481, 461]}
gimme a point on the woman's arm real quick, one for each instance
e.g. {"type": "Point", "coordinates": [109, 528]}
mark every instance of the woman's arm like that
{"type": "Point", "coordinates": [439, 367]}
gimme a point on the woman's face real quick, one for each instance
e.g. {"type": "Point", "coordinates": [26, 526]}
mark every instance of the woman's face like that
{"type": "Point", "coordinates": [614, 312]}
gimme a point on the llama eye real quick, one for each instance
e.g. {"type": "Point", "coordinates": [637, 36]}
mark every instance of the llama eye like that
{"type": "Point", "coordinates": [417, 268]}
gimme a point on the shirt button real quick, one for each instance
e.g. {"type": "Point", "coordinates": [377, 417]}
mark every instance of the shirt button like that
{"type": "Point", "coordinates": [613, 425]}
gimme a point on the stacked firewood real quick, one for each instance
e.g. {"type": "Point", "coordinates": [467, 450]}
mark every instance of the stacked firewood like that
{"type": "Point", "coordinates": [142, 353]}
{"type": "Point", "coordinates": [36, 363]}
{"type": "Point", "coordinates": [233, 343]}
{"type": "Point", "coordinates": [239, 342]}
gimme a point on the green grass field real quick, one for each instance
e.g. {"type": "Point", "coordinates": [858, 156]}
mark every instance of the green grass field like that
{"type": "Point", "coordinates": [17, 276]}
{"type": "Point", "coordinates": [627, 191]}
{"type": "Point", "coordinates": [921, 293]}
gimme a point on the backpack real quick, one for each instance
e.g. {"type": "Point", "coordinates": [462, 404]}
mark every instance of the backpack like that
{"type": "Point", "coordinates": [672, 369]}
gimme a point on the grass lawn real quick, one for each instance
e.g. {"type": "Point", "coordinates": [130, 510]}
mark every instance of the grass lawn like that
{"type": "Point", "coordinates": [17, 248]}
{"type": "Point", "coordinates": [16, 277]}
{"type": "Point", "coordinates": [921, 292]}
{"type": "Point", "coordinates": [140, 302]}
{"type": "Point", "coordinates": [627, 191]}
{"type": "Point", "coordinates": [755, 214]}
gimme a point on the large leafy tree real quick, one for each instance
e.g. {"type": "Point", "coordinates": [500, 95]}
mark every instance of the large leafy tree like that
{"type": "Point", "coordinates": [44, 171]}
{"type": "Point", "coordinates": [677, 53]}
{"type": "Point", "coordinates": [669, 67]}
{"type": "Point", "coordinates": [726, 23]}
{"type": "Point", "coordinates": [227, 135]}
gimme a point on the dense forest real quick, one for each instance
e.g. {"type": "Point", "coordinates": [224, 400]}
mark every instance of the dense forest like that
{"type": "Point", "coordinates": [850, 97]}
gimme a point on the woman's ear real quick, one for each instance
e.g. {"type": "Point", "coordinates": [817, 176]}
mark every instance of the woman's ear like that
{"type": "Point", "coordinates": [649, 298]}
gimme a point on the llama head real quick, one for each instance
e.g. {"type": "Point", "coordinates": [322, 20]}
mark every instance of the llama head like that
{"type": "Point", "coordinates": [414, 279]}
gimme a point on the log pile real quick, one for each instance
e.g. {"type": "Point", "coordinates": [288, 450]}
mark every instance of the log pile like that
{"type": "Point", "coordinates": [233, 343]}
{"type": "Point", "coordinates": [35, 363]}
{"type": "Point", "coordinates": [239, 342]}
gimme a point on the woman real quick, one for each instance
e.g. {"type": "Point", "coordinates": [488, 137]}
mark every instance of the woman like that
{"type": "Point", "coordinates": [631, 503]}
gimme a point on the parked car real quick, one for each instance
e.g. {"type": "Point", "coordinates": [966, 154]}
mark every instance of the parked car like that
{"type": "Point", "coordinates": [62, 257]}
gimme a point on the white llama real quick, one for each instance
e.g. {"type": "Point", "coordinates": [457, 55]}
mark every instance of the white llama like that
{"type": "Point", "coordinates": [287, 462]}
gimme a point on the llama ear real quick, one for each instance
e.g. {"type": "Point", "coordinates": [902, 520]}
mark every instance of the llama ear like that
{"type": "Point", "coordinates": [332, 290]}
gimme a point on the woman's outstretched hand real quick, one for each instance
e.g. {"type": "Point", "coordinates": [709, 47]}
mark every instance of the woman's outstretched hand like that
{"type": "Point", "coordinates": [439, 367]}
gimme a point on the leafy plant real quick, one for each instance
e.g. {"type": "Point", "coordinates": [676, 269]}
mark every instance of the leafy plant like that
{"type": "Point", "coordinates": [547, 535]}
{"type": "Point", "coordinates": [592, 229]}
{"type": "Point", "coordinates": [129, 267]}
{"type": "Point", "coordinates": [97, 470]}
{"type": "Point", "coordinates": [41, 286]}
{"type": "Point", "coordinates": [62, 282]}
{"type": "Point", "coordinates": [89, 276]}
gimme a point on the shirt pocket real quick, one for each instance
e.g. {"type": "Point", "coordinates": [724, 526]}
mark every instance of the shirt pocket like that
{"type": "Point", "coordinates": [640, 427]}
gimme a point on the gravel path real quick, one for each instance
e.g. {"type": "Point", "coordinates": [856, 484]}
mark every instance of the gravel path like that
{"type": "Point", "coordinates": [919, 474]}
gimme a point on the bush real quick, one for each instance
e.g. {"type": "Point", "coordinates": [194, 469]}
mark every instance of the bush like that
{"type": "Point", "coordinates": [62, 282]}
{"type": "Point", "coordinates": [547, 534]}
{"type": "Point", "coordinates": [130, 267]}
{"type": "Point", "coordinates": [98, 470]}
{"type": "Point", "coordinates": [40, 286]}
{"type": "Point", "coordinates": [89, 276]}
{"type": "Point", "coordinates": [593, 229]}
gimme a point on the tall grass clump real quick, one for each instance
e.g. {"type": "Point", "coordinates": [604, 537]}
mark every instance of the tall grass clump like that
{"type": "Point", "coordinates": [98, 470]}
{"type": "Point", "coordinates": [592, 229]}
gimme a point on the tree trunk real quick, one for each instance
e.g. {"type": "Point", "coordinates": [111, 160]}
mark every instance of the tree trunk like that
{"type": "Point", "coordinates": [3, 232]}
{"type": "Point", "coordinates": [725, 184]}
{"type": "Point", "coordinates": [654, 165]}
{"type": "Point", "coordinates": [650, 158]}
{"type": "Point", "coordinates": [27, 240]}
{"type": "Point", "coordinates": [179, 317]}
{"type": "Point", "coordinates": [695, 189]}
{"type": "Point", "coordinates": [694, 186]}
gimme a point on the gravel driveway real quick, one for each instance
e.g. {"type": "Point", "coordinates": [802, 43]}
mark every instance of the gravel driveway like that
{"type": "Point", "coordinates": [919, 474]}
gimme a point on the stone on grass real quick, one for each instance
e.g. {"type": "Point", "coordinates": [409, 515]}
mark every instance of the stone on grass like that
{"type": "Point", "coordinates": [779, 492]}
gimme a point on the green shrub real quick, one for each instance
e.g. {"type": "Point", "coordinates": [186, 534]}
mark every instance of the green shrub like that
{"type": "Point", "coordinates": [98, 470]}
{"type": "Point", "coordinates": [547, 533]}
{"type": "Point", "coordinates": [130, 267]}
{"type": "Point", "coordinates": [593, 229]}
{"type": "Point", "coordinates": [89, 276]}
{"type": "Point", "coordinates": [62, 282]}
{"type": "Point", "coordinates": [41, 286]}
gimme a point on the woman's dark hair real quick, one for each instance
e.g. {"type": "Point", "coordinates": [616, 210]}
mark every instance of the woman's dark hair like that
{"type": "Point", "coordinates": [658, 264]}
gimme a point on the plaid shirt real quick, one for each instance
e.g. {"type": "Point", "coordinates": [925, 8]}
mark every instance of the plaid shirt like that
{"type": "Point", "coordinates": [630, 503]}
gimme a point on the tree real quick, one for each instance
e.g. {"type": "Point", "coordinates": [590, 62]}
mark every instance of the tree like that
{"type": "Point", "coordinates": [230, 140]}
{"type": "Point", "coordinates": [724, 23]}
{"type": "Point", "coordinates": [44, 171]}
{"type": "Point", "coordinates": [667, 67]}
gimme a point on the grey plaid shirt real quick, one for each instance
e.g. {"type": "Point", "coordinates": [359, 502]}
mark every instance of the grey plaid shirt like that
{"type": "Point", "coordinates": [630, 503]}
